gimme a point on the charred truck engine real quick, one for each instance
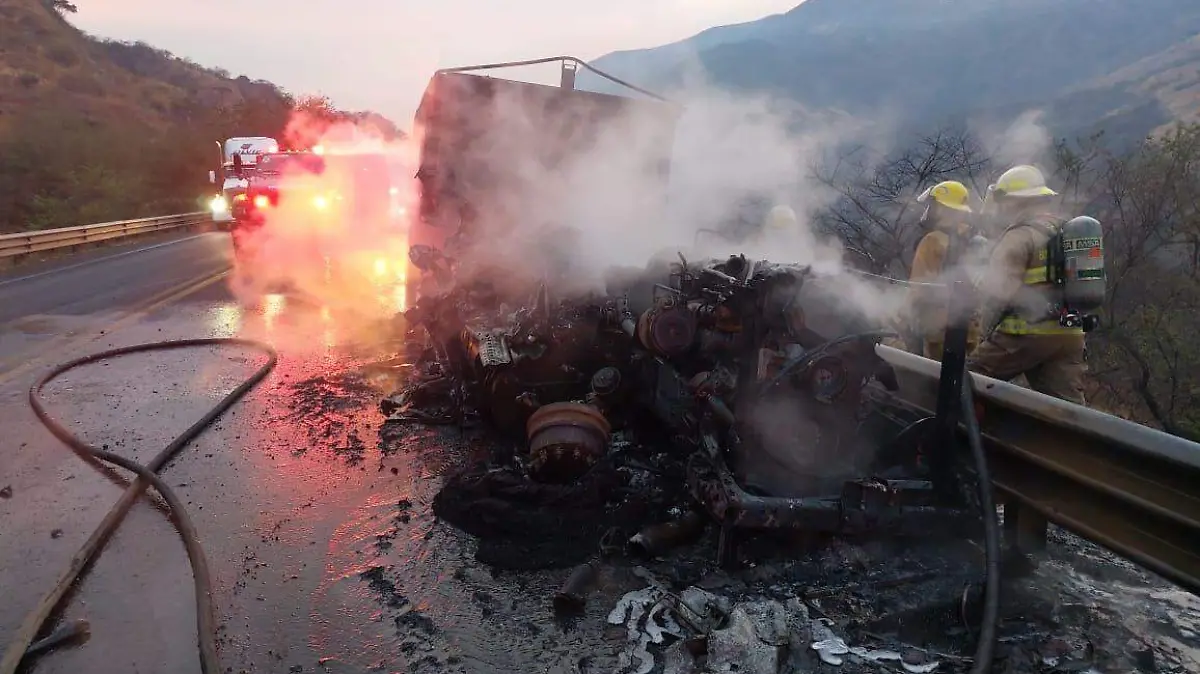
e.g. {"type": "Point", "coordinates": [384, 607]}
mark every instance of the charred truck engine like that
{"type": "Point", "coordinates": [763, 384]}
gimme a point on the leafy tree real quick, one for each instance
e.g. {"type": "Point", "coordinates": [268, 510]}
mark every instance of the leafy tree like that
{"type": "Point", "coordinates": [1145, 358]}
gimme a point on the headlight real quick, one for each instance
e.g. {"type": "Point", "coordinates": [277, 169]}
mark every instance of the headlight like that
{"type": "Point", "coordinates": [219, 204]}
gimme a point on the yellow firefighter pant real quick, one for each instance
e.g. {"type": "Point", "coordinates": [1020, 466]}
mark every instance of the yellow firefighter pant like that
{"type": "Point", "coordinates": [933, 348]}
{"type": "Point", "coordinates": [1053, 364]}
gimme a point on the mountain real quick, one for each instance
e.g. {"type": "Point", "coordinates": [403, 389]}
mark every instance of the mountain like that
{"type": "Point", "coordinates": [1121, 63]}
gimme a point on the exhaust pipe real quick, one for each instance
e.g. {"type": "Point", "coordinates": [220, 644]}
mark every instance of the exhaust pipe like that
{"type": "Point", "coordinates": [573, 593]}
{"type": "Point", "coordinates": [657, 539]}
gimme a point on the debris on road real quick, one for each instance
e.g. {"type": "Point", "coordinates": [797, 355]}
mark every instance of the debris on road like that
{"type": "Point", "coordinates": [527, 525]}
{"type": "Point", "coordinates": [690, 398]}
{"type": "Point", "coordinates": [712, 633]}
{"type": "Point", "coordinates": [573, 594]}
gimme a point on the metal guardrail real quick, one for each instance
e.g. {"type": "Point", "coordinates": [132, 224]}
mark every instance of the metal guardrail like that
{"type": "Point", "coordinates": [24, 243]}
{"type": "Point", "coordinates": [1130, 488]}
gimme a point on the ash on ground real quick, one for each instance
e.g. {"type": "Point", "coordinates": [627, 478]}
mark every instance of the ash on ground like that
{"type": "Point", "coordinates": [794, 604]}
{"type": "Point", "coordinates": [524, 525]}
{"type": "Point", "coordinates": [801, 605]}
{"type": "Point", "coordinates": [325, 408]}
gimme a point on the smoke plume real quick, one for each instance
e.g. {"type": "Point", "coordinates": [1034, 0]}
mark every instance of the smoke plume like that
{"type": "Point", "coordinates": [585, 208]}
{"type": "Point", "coordinates": [732, 156]}
{"type": "Point", "coordinates": [1024, 140]}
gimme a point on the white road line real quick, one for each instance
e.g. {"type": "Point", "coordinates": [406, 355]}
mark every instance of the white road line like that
{"type": "Point", "coordinates": [48, 272]}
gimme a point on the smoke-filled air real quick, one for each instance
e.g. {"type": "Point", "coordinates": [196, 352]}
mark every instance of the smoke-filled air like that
{"type": "Point", "coordinates": [346, 254]}
{"type": "Point", "coordinates": [563, 196]}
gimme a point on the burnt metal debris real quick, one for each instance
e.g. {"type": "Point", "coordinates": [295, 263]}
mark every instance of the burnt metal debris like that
{"type": "Point", "coordinates": [751, 375]}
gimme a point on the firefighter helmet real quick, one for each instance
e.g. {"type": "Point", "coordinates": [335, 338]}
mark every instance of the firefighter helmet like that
{"type": "Point", "coordinates": [782, 217]}
{"type": "Point", "coordinates": [1022, 181]}
{"type": "Point", "coordinates": [949, 193]}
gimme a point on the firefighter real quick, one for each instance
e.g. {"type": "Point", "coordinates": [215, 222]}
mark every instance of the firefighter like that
{"type": "Point", "coordinates": [781, 218]}
{"type": "Point", "coordinates": [1027, 337]}
{"type": "Point", "coordinates": [945, 216]}
{"type": "Point", "coordinates": [780, 229]}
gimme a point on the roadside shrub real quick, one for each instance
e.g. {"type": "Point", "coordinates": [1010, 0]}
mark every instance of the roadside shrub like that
{"type": "Point", "coordinates": [64, 55]}
{"type": "Point", "coordinates": [80, 83]}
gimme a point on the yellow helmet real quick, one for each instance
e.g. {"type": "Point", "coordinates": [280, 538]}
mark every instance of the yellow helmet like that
{"type": "Point", "coordinates": [1022, 181]}
{"type": "Point", "coordinates": [782, 217]}
{"type": "Point", "coordinates": [949, 193]}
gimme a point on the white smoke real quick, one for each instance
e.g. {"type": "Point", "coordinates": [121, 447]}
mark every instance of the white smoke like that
{"type": "Point", "coordinates": [727, 148]}
{"type": "Point", "coordinates": [1024, 140]}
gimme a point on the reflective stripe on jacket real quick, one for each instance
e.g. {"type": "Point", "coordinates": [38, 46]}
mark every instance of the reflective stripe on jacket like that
{"type": "Point", "coordinates": [1018, 279]}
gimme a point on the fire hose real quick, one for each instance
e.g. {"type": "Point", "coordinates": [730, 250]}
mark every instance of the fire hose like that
{"type": "Point", "coordinates": [146, 475]}
{"type": "Point", "coordinates": [985, 646]}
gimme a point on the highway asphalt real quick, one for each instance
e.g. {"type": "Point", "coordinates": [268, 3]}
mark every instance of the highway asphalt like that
{"type": "Point", "coordinates": [110, 278]}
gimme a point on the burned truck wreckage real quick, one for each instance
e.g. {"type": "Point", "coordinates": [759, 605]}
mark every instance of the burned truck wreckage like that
{"type": "Point", "coordinates": [748, 389]}
{"type": "Point", "coordinates": [746, 368]}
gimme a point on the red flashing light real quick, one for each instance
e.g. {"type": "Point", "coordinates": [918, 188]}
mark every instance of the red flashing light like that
{"type": "Point", "coordinates": [261, 201]}
{"type": "Point", "coordinates": [1095, 253]}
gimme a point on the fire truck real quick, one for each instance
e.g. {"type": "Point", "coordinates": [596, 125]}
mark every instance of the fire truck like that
{"type": "Point", "coordinates": [351, 188]}
{"type": "Point", "coordinates": [312, 214]}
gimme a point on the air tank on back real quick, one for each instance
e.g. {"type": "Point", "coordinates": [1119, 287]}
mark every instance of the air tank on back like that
{"type": "Point", "coordinates": [1084, 282]}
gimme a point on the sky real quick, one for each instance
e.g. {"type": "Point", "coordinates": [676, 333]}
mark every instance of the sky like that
{"type": "Point", "coordinates": [379, 54]}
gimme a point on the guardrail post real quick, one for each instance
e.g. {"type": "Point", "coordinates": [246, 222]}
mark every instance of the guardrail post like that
{"type": "Point", "coordinates": [1024, 528]}
{"type": "Point", "coordinates": [948, 412]}
{"type": "Point", "coordinates": [1124, 486]}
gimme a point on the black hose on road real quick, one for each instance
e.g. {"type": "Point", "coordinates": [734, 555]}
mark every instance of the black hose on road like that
{"type": "Point", "coordinates": [147, 475]}
{"type": "Point", "coordinates": [986, 646]}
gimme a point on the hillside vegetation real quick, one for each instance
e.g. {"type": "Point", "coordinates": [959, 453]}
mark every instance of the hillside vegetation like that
{"type": "Point", "coordinates": [1129, 67]}
{"type": "Point", "coordinates": [94, 130]}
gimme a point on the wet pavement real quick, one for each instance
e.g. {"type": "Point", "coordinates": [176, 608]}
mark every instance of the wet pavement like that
{"type": "Point", "coordinates": [327, 557]}
{"type": "Point", "coordinates": [44, 304]}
